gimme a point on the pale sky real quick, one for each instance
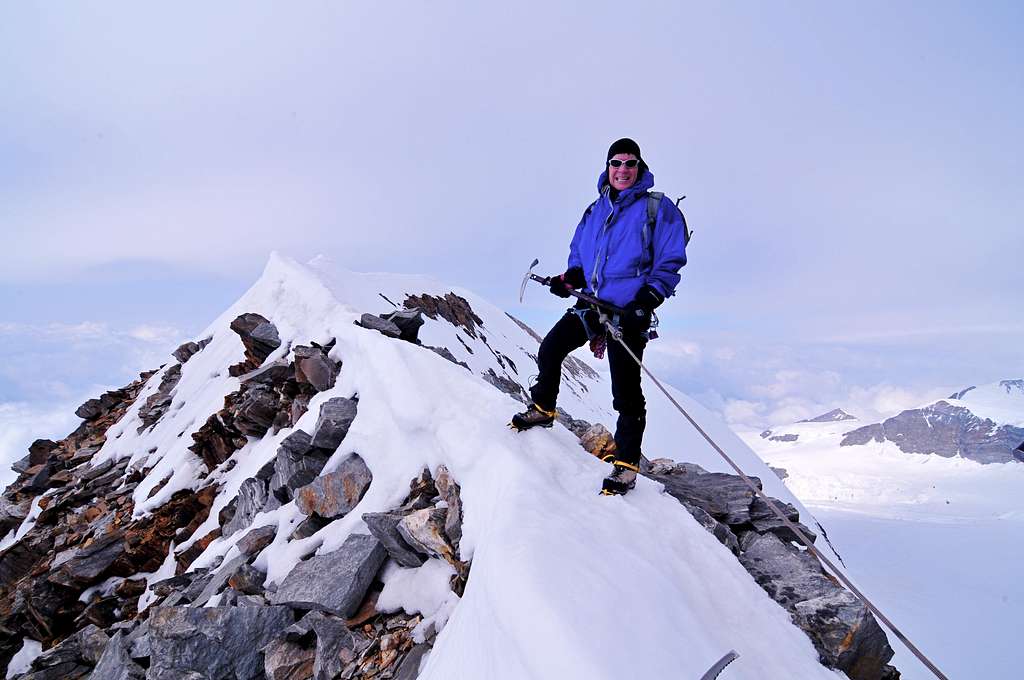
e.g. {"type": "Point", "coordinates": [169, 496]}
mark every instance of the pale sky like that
{"type": "Point", "coordinates": [853, 176]}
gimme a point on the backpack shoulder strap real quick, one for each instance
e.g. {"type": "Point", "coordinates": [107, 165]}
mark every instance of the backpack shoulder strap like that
{"type": "Point", "coordinates": [647, 243]}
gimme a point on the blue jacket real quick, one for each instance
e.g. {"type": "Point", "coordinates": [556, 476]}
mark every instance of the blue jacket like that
{"type": "Point", "coordinates": [608, 244]}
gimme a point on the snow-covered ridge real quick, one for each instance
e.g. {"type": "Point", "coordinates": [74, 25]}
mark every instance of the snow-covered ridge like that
{"type": "Point", "coordinates": [548, 553]}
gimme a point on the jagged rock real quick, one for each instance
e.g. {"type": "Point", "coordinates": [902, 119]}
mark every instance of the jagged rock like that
{"type": "Point", "coordinates": [259, 337]}
{"type": "Point", "coordinates": [94, 472]}
{"type": "Point", "coordinates": [247, 579]}
{"type": "Point", "coordinates": [336, 645]}
{"type": "Point", "coordinates": [309, 526]}
{"type": "Point", "coordinates": [252, 496]}
{"type": "Point", "coordinates": [783, 437]}
{"type": "Point", "coordinates": [157, 403]}
{"type": "Point", "coordinates": [719, 530]}
{"type": "Point", "coordinates": [116, 664]}
{"type": "Point", "coordinates": [233, 598]}
{"type": "Point", "coordinates": [256, 540]}
{"type": "Point", "coordinates": [81, 567]}
{"type": "Point", "coordinates": [256, 410]}
{"type": "Point", "coordinates": [219, 580]}
{"type": "Point", "coordinates": [148, 540]}
{"type": "Point", "coordinates": [763, 519]}
{"type": "Point", "coordinates": [781, 473]}
{"type": "Point", "coordinates": [336, 416]}
{"type": "Point", "coordinates": [94, 408]}
{"type": "Point", "coordinates": [186, 557]}
{"type": "Point", "coordinates": [384, 527]}
{"type": "Point", "coordinates": [217, 439]}
{"type": "Point", "coordinates": [212, 642]}
{"type": "Point", "coordinates": [424, 531]}
{"type": "Point", "coordinates": [452, 308]}
{"type": "Point", "coordinates": [314, 368]}
{"type": "Point", "coordinates": [74, 657]}
{"type": "Point", "coordinates": [845, 634]}
{"type": "Point", "coordinates": [577, 426]}
{"type": "Point", "coordinates": [336, 582]}
{"type": "Point", "coordinates": [334, 494]}
{"type": "Point", "coordinates": [40, 451]}
{"type": "Point", "coordinates": [375, 323]}
{"type": "Point", "coordinates": [841, 628]}
{"type": "Point", "coordinates": [725, 497]}
{"type": "Point", "coordinates": [408, 322]}
{"type": "Point", "coordinates": [506, 385]}
{"type": "Point", "coordinates": [598, 441]}
{"type": "Point", "coordinates": [185, 351]}
{"type": "Point", "coordinates": [167, 586]}
{"type": "Point", "coordinates": [450, 493]}
{"type": "Point", "coordinates": [12, 514]}
{"type": "Point", "coordinates": [286, 660]}
{"type": "Point", "coordinates": [446, 353]}
{"type": "Point", "coordinates": [297, 464]}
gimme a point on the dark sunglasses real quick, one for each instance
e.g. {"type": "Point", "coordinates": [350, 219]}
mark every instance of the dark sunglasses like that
{"type": "Point", "coordinates": [631, 163]}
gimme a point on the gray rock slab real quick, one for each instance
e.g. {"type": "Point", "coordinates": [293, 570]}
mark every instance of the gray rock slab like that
{"type": "Point", "coordinates": [297, 464]}
{"type": "Point", "coordinates": [336, 582]}
{"type": "Point", "coordinates": [336, 416]}
{"type": "Point", "coordinates": [375, 323]}
{"type": "Point", "coordinates": [284, 660]}
{"type": "Point", "coordinates": [252, 496]}
{"type": "Point", "coordinates": [256, 540]}
{"type": "Point", "coordinates": [786, 573]}
{"type": "Point", "coordinates": [213, 642]}
{"type": "Point", "coordinates": [424, 531]}
{"type": "Point", "coordinates": [84, 566]}
{"type": "Point", "coordinates": [334, 494]}
{"type": "Point", "coordinates": [408, 322]}
{"type": "Point", "coordinates": [725, 497]}
{"type": "Point", "coordinates": [846, 634]}
{"type": "Point", "coordinates": [384, 527]}
{"type": "Point", "coordinates": [219, 580]}
{"type": "Point", "coordinates": [116, 664]}
{"type": "Point", "coordinates": [314, 368]}
{"type": "Point", "coordinates": [247, 580]}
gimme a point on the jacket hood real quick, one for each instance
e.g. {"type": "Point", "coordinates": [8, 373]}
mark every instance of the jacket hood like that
{"type": "Point", "coordinates": [643, 184]}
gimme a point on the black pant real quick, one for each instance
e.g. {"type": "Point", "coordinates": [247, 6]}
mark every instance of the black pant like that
{"type": "Point", "coordinates": [627, 397]}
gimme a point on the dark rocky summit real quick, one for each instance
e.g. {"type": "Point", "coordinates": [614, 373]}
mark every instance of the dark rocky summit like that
{"type": "Point", "coordinates": [944, 430]}
{"type": "Point", "coordinates": [834, 416]}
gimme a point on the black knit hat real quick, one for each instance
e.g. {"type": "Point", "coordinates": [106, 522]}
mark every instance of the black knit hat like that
{"type": "Point", "coordinates": [624, 145]}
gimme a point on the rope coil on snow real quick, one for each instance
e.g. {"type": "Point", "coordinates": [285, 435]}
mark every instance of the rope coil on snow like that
{"type": "Point", "coordinates": [617, 334]}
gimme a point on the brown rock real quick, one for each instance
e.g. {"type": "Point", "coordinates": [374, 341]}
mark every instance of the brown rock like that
{"type": "Point", "coordinates": [334, 494]}
{"type": "Point", "coordinates": [598, 441]}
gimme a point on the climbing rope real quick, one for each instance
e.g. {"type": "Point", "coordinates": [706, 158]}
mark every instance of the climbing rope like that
{"type": "Point", "coordinates": [617, 334]}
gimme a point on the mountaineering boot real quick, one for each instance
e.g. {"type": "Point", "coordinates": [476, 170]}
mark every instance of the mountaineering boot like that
{"type": "Point", "coordinates": [621, 480]}
{"type": "Point", "coordinates": [532, 417]}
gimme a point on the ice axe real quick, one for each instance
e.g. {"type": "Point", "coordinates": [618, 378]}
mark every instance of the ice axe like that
{"type": "Point", "coordinates": [546, 280]}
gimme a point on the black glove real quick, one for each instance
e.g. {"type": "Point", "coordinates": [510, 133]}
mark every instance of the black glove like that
{"type": "Point", "coordinates": [648, 298]}
{"type": "Point", "coordinates": [563, 283]}
{"type": "Point", "coordinates": [636, 317]}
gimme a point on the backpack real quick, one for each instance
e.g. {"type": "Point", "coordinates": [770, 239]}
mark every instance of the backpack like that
{"type": "Point", "coordinates": [653, 201]}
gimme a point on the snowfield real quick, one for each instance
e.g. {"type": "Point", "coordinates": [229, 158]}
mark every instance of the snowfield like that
{"type": "Point", "coordinates": [936, 542]}
{"type": "Point", "coordinates": [564, 583]}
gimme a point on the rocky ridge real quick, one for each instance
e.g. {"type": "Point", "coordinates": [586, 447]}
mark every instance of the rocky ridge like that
{"type": "Point", "coordinates": [75, 572]}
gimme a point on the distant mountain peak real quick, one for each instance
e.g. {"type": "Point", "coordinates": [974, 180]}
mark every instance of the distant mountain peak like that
{"type": "Point", "coordinates": [1012, 386]}
{"type": "Point", "coordinates": [833, 416]}
{"type": "Point", "coordinates": [961, 393]}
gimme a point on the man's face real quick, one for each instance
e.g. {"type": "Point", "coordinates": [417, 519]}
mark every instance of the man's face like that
{"type": "Point", "coordinates": [623, 177]}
